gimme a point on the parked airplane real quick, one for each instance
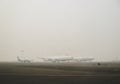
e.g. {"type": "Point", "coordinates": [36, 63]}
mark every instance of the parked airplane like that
{"type": "Point", "coordinates": [22, 61]}
{"type": "Point", "coordinates": [57, 59]}
{"type": "Point", "coordinates": [85, 59]}
{"type": "Point", "coordinates": [65, 59]}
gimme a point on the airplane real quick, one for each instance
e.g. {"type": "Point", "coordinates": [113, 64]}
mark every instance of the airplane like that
{"type": "Point", "coordinates": [56, 59]}
{"type": "Point", "coordinates": [22, 61]}
{"type": "Point", "coordinates": [66, 59]}
{"type": "Point", "coordinates": [85, 59]}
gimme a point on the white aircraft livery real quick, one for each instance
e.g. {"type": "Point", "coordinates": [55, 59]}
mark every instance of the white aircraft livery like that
{"type": "Point", "coordinates": [65, 59]}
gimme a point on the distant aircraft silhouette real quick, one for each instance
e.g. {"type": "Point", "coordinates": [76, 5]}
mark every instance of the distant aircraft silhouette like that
{"type": "Point", "coordinates": [66, 59]}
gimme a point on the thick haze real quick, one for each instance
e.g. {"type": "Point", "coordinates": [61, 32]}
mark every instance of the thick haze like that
{"type": "Point", "coordinates": [85, 28]}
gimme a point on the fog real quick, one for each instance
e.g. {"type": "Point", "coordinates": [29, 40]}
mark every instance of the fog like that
{"type": "Point", "coordinates": [84, 28]}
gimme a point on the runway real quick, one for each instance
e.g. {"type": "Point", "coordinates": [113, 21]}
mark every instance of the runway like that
{"type": "Point", "coordinates": [17, 73]}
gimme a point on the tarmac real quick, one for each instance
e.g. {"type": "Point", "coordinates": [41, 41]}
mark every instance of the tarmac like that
{"type": "Point", "coordinates": [40, 73]}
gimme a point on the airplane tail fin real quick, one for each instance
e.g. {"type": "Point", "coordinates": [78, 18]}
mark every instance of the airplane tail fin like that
{"type": "Point", "coordinates": [18, 58]}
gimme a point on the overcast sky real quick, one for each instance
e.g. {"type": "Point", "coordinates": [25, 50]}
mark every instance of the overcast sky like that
{"type": "Point", "coordinates": [85, 28]}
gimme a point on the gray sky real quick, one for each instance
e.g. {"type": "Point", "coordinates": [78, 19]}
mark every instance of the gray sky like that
{"type": "Point", "coordinates": [57, 27]}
